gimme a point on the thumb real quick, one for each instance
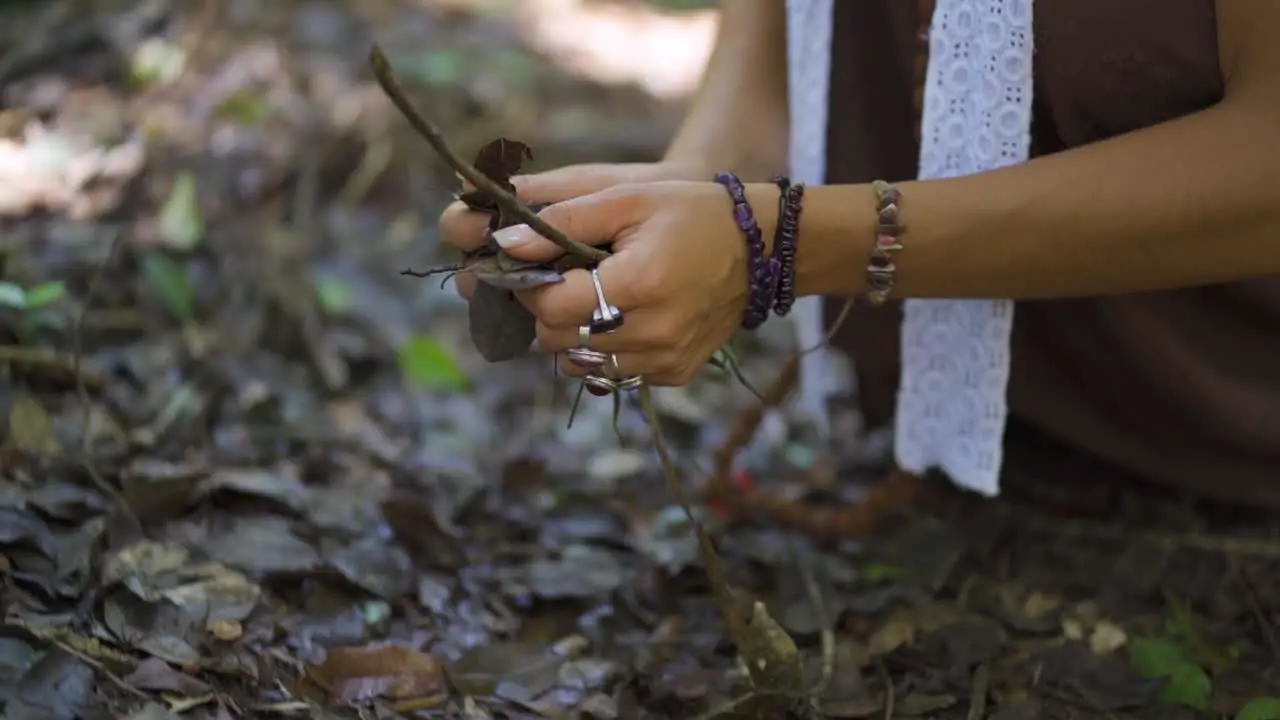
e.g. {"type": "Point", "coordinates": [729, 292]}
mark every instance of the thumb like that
{"type": "Point", "coordinates": [594, 219]}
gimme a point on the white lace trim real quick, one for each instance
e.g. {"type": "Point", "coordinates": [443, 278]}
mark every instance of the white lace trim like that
{"type": "Point", "coordinates": [808, 75]}
{"type": "Point", "coordinates": [977, 117]}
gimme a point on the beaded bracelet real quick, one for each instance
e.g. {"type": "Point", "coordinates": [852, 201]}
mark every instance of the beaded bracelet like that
{"type": "Point", "coordinates": [762, 272]}
{"type": "Point", "coordinates": [889, 230]}
{"type": "Point", "coordinates": [790, 199]}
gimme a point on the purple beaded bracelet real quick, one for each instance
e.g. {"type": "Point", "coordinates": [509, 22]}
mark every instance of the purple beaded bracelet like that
{"type": "Point", "coordinates": [784, 242]}
{"type": "Point", "coordinates": [762, 272]}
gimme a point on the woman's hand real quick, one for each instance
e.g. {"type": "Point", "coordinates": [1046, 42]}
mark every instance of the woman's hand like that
{"type": "Point", "coordinates": [465, 229]}
{"type": "Point", "coordinates": [678, 273]}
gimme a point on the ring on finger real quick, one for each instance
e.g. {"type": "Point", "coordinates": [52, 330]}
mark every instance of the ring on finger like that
{"type": "Point", "coordinates": [584, 336]}
{"type": "Point", "coordinates": [605, 318]}
{"type": "Point", "coordinates": [602, 386]}
{"type": "Point", "coordinates": [587, 358]}
{"type": "Point", "coordinates": [626, 383]}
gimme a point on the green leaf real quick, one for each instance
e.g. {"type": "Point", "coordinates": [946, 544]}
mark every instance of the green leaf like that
{"type": "Point", "coordinates": [334, 295]}
{"type": "Point", "coordinates": [1187, 683]}
{"type": "Point", "coordinates": [12, 296]}
{"type": "Point", "coordinates": [244, 107]}
{"type": "Point", "coordinates": [428, 364]}
{"type": "Point", "coordinates": [169, 281]}
{"type": "Point", "coordinates": [1263, 708]}
{"type": "Point", "coordinates": [1197, 645]}
{"type": "Point", "coordinates": [44, 294]}
{"type": "Point", "coordinates": [181, 221]}
{"type": "Point", "coordinates": [876, 573]}
{"type": "Point", "coordinates": [33, 321]}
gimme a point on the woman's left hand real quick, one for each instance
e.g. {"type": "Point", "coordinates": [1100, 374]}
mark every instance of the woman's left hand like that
{"type": "Point", "coordinates": [678, 274]}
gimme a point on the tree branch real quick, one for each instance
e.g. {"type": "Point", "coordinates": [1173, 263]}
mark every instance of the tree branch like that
{"type": "Point", "coordinates": [509, 205]}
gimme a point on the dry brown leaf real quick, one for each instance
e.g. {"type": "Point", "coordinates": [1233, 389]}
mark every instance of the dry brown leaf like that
{"type": "Point", "coordinates": [387, 672]}
{"type": "Point", "coordinates": [30, 428]}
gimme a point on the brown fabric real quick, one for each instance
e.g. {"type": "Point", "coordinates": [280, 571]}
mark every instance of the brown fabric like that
{"type": "Point", "coordinates": [1181, 387]}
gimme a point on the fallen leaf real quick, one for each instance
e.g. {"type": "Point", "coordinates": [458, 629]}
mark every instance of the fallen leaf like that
{"type": "Point", "coordinates": [146, 567]}
{"type": "Point", "coordinates": [1264, 708]}
{"type": "Point", "coordinates": [58, 686]}
{"type": "Point", "coordinates": [1107, 637]}
{"type": "Point", "coordinates": [30, 428]}
{"type": "Point", "coordinates": [891, 636]}
{"type": "Point", "coordinates": [12, 296]}
{"type": "Point", "coordinates": [156, 675]}
{"type": "Point", "coordinates": [387, 672]}
{"type": "Point", "coordinates": [262, 544]}
{"type": "Point", "coordinates": [482, 669]}
{"type": "Point", "coordinates": [153, 711]}
{"type": "Point", "coordinates": [45, 294]}
{"type": "Point", "coordinates": [181, 222]}
{"type": "Point", "coordinates": [501, 328]}
{"type": "Point", "coordinates": [281, 485]}
{"type": "Point", "coordinates": [225, 630]}
{"type": "Point", "coordinates": [427, 363]}
{"type": "Point", "coordinates": [498, 160]}
{"type": "Point", "coordinates": [580, 571]}
{"type": "Point", "coordinates": [169, 282]}
{"type": "Point", "coordinates": [1186, 683]}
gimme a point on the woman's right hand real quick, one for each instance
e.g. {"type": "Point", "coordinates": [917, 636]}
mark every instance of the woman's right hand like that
{"type": "Point", "coordinates": [465, 229]}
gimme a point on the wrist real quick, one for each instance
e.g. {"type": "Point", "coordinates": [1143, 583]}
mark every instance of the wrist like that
{"type": "Point", "coordinates": [757, 165]}
{"type": "Point", "coordinates": [837, 232]}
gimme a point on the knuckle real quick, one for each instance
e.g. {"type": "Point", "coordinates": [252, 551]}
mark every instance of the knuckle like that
{"type": "Point", "coordinates": [556, 315]}
{"type": "Point", "coordinates": [549, 339]}
{"type": "Point", "coordinates": [648, 287]}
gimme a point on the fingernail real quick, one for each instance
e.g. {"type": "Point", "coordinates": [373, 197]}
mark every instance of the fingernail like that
{"type": "Point", "coordinates": [512, 237]}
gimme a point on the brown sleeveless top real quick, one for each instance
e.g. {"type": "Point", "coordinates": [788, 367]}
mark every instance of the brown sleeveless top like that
{"type": "Point", "coordinates": [1182, 387]}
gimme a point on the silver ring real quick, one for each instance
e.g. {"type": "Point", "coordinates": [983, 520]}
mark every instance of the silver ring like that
{"type": "Point", "coordinates": [622, 383]}
{"type": "Point", "coordinates": [605, 318]}
{"type": "Point", "coordinates": [584, 337]}
{"type": "Point", "coordinates": [612, 386]}
{"type": "Point", "coordinates": [586, 357]}
{"type": "Point", "coordinates": [604, 383]}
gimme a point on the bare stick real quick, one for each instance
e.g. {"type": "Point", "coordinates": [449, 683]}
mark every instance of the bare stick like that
{"type": "Point", "coordinates": [86, 438]}
{"type": "Point", "coordinates": [509, 205]}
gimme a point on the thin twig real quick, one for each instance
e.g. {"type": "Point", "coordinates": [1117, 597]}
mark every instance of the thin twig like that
{"type": "Point", "coordinates": [52, 359]}
{"type": "Point", "coordinates": [97, 665]}
{"type": "Point", "coordinates": [509, 205]}
{"type": "Point", "coordinates": [1255, 604]}
{"type": "Point", "coordinates": [890, 692]}
{"type": "Point", "coordinates": [978, 692]}
{"type": "Point", "coordinates": [824, 619]}
{"type": "Point", "coordinates": [1227, 545]}
{"type": "Point", "coordinates": [86, 402]}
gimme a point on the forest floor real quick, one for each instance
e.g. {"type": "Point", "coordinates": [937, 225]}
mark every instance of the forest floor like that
{"type": "Point", "coordinates": [250, 470]}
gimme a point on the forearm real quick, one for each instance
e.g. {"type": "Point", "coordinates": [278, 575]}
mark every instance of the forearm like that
{"type": "Point", "coordinates": [738, 118]}
{"type": "Point", "coordinates": [1194, 201]}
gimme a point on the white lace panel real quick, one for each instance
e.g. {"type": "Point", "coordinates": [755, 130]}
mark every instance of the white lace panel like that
{"type": "Point", "coordinates": [977, 117]}
{"type": "Point", "coordinates": [955, 353]}
{"type": "Point", "coordinates": [808, 73]}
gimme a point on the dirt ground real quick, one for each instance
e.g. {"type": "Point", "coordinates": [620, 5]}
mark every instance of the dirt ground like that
{"type": "Point", "coordinates": [248, 469]}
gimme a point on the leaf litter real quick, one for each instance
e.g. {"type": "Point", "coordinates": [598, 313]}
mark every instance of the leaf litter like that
{"type": "Point", "coordinates": [343, 509]}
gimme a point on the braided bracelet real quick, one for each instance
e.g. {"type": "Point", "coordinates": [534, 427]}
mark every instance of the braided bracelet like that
{"type": "Point", "coordinates": [762, 272]}
{"type": "Point", "coordinates": [889, 230]}
{"type": "Point", "coordinates": [784, 242]}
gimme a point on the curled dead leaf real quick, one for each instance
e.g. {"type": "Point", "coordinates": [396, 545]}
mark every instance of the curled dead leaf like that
{"type": "Point", "coordinates": [352, 675]}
